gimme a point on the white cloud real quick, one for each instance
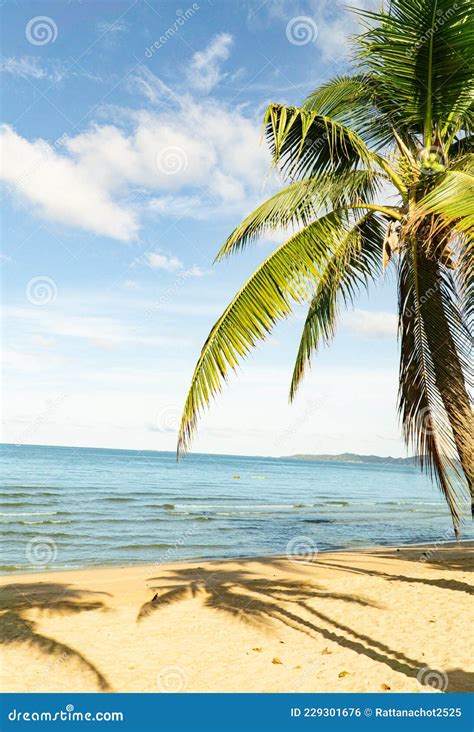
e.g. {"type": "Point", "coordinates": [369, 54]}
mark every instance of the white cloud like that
{"type": "Point", "coordinates": [30, 67]}
{"type": "Point", "coordinates": [181, 207]}
{"type": "Point", "coordinates": [118, 26]}
{"type": "Point", "coordinates": [161, 261]}
{"type": "Point", "coordinates": [27, 362]}
{"type": "Point", "coordinates": [102, 331]}
{"type": "Point", "coordinates": [205, 68]}
{"type": "Point", "coordinates": [43, 341]}
{"type": "Point", "coordinates": [198, 152]}
{"type": "Point", "coordinates": [144, 82]}
{"type": "Point", "coordinates": [62, 189]}
{"type": "Point", "coordinates": [371, 324]}
{"type": "Point", "coordinates": [196, 271]}
{"type": "Point", "coordinates": [131, 285]}
{"type": "Point", "coordinates": [336, 22]}
{"type": "Point", "coordinates": [24, 67]}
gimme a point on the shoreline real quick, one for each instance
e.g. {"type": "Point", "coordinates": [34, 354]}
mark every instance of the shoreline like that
{"type": "Point", "coordinates": [378, 619]}
{"type": "Point", "coordinates": [122, 511]}
{"type": "Point", "coordinates": [39, 570]}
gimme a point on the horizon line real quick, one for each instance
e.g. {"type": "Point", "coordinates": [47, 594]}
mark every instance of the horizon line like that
{"type": "Point", "coordinates": [218, 454]}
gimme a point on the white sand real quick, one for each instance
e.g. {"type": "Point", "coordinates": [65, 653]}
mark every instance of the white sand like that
{"type": "Point", "coordinates": [346, 621]}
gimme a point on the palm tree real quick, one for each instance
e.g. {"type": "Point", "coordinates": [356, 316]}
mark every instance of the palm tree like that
{"type": "Point", "coordinates": [400, 130]}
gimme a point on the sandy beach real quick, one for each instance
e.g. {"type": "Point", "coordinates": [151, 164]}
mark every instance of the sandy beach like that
{"type": "Point", "coordinates": [377, 620]}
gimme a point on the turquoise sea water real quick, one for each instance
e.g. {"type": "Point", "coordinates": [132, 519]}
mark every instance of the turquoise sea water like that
{"type": "Point", "coordinates": [75, 507]}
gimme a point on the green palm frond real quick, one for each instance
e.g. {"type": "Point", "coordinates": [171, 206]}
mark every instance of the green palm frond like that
{"type": "Point", "coordinates": [417, 52]}
{"type": "Point", "coordinates": [453, 199]}
{"type": "Point", "coordinates": [356, 102]}
{"type": "Point", "coordinates": [464, 275]}
{"type": "Point", "coordinates": [288, 275]}
{"type": "Point", "coordinates": [336, 98]}
{"type": "Point", "coordinates": [356, 261]}
{"type": "Point", "coordinates": [299, 203]}
{"type": "Point", "coordinates": [464, 160]}
{"type": "Point", "coordinates": [305, 143]}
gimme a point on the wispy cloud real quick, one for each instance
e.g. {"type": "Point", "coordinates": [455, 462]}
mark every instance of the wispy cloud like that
{"type": "Point", "coordinates": [147, 84]}
{"type": "Point", "coordinates": [131, 285]}
{"type": "Point", "coordinates": [118, 26]}
{"type": "Point", "coordinates": [101, 331]}
{"type": "Point", "coordinates": [161, 261]}
{"type": "Point", "coordinates": [33, 360]}
{"type": "Point", "coordinates": [205, 68]}
{"type": "Point", "coordinates": [371, 324]}
{"type": "Point", "coordinates": [30, 67]}
{"type": "Point", "coordinates": [24, 67]}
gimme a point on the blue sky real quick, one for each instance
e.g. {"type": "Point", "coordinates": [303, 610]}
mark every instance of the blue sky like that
{"type": "Point", "coordinates": [131, 148]}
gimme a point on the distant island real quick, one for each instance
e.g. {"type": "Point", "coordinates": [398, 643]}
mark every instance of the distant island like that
{"type": "Point", "coordinates": [351, 457]}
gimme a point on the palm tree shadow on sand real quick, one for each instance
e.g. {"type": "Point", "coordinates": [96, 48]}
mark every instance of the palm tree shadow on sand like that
{"type": "Point", "coordinates": [260, 602]}
{"type": "Point", "coordinates": [15, 628]}
{"type": "Point", "coordinates": [441, 583]}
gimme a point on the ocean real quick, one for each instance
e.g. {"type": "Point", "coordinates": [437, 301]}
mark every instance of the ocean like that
{"type": "Point", "coordinates": [67, 508]}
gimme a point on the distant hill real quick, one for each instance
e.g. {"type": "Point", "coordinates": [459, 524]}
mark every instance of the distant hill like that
{"type": "Point", "coordinates": [351, 457]}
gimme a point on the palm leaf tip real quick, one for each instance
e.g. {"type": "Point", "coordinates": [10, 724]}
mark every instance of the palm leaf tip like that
{"type": "Point", "coordinates": [353, 264]}
{"type": "Point", "coordinates": [290, 274]}
{"type": "Point", "coordinates": [304, 143]}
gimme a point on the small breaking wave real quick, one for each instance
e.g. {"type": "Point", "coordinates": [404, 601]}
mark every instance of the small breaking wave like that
{"type": "Point", "coordinates": [33, 513]}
